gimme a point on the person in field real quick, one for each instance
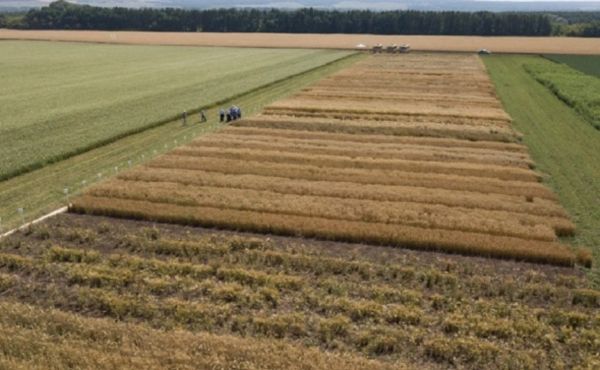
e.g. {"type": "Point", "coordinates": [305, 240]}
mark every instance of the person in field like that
{"type": "Point", "coordinates": [221, 115]}
{"type": "Point", "coordinates": [184, 117]}
{"type": "Point", "coordinates": [203, 117]}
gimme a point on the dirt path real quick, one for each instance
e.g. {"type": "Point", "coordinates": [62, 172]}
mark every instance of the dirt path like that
{"type": "Point", "coordinates": [537, 45]}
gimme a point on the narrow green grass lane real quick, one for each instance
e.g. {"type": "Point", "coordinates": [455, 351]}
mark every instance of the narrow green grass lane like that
{"type": "Point", "coordinates": [43, 190]}
{"type": "Point", "coordinates": [589, 64]}
{"type": "Point", "coordinates": [563, 145]}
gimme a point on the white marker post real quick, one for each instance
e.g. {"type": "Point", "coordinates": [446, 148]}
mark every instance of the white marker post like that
{"type": "Point", "coordinates": [21, 212]}
{"type": "Point", "coordinates": [66, 192]}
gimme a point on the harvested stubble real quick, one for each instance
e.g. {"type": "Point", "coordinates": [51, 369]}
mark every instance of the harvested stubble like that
{"type": "Point", "coordinates": [361, 300]}
{"type": "Point", "coordinates": [38, 338]}
{"type": "Point", "coordinates": [300, 169]}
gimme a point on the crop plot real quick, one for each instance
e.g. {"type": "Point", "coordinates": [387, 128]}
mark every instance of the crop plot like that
{"type": "Point", "coordinates": [390, 151]}
{"type": "Point", "coordinates": [332, 304]}
{"type": "Point", "coordinates": [61, 99]}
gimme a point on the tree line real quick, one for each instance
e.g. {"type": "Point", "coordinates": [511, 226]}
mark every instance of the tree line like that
{"type": "Point", "coordinates": [63, 15]}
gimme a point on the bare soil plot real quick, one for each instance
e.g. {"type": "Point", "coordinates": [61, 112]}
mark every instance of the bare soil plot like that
{"type": "Point", "coordinates": [537, 45]}
{"type": "Point", "coordinates": [349, 169]}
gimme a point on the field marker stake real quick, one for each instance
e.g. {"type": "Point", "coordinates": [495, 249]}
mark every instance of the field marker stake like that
{"type": "Point", "coordinates": [66, 191]}
{"type": "Point", "coordinates": [21, 211]}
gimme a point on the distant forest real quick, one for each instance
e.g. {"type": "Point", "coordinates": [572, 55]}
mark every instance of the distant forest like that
{"type": "Point", "coordinates": [64, 15]}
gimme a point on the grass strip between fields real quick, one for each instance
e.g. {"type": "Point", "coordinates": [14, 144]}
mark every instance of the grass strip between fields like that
{"type": "Point", "coordinates": [43, 190]}
{"type": "Point", "coordinates": [561, 142]}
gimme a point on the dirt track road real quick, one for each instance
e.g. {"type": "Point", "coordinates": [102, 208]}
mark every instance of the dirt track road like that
{"type": "Point", "coordinates": [538, 45]}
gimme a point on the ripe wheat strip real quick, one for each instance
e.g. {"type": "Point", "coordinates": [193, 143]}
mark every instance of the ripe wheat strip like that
{"type": "Point", "coordinates": [375, 152]}
{"type": "Point", "coordinates": [384, 129]}
{"type": "Point", "coordinates": [398, 118]}
{"type": "Point", "coordinates": [401, 87]}
{"type": "Point", "coordinates": [406, 100]}
{"type": "Point", "coordinates": [394, 73]}
{"type": "Point", "coordinates": [419, 198]}
{"type": "Point", "coordinates": [415, 92]}
{"type": "Point", "coordinates": [375, 95]}
{"type": "Point", "coordinates": [308, 158]}
{"type": "Point", "coordinates": [348, 190]}
{"type": "Point", "coordinates": [400, 213]}
{"type": "Point", "coordinates": [359, 176]}
{"type": "Point", "coordinates": [360, 142]}
{"type": "Point", "coordinates": [519, 150]}
{"type": "Point", "coordinates": [382, 81]}
{"type": "Point", "coordinates": [359, 106]}
{"type": "Point", "coordinates": [366, 115]}
{"type": "Point", "coordinates": [339, 230]}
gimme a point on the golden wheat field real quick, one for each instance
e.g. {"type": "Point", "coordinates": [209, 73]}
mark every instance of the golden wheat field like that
{"type": "Point", "coordinates": [409, 151]}
{"type": "Point", "coordinates": [539, 45]}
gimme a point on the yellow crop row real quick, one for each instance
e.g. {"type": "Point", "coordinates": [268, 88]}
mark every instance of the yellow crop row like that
{"type": "Point", "coordinates": [416, 153]}
{"type": "Point", "coordinates": [349, 190]}
{"type": "Point", "coordinates": [342, 123]}
{"type": "Point", "coordinates": [338, 161]}
{"type": "Point", "coordinates": [402, 213]}
{"type": "Point", "coordinates": [528, 190]}
{"type": "Point", "coordinates": [338, 230]}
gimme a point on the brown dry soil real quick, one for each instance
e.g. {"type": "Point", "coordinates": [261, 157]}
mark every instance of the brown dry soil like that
{"type": "Point", "coordinates": [534, 45]}
{"type": "Point", "coordinates": [397, 307]}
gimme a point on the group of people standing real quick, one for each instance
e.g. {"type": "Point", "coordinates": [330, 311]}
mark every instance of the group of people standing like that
{"type": "Point", "coordinates": [231, 114]}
